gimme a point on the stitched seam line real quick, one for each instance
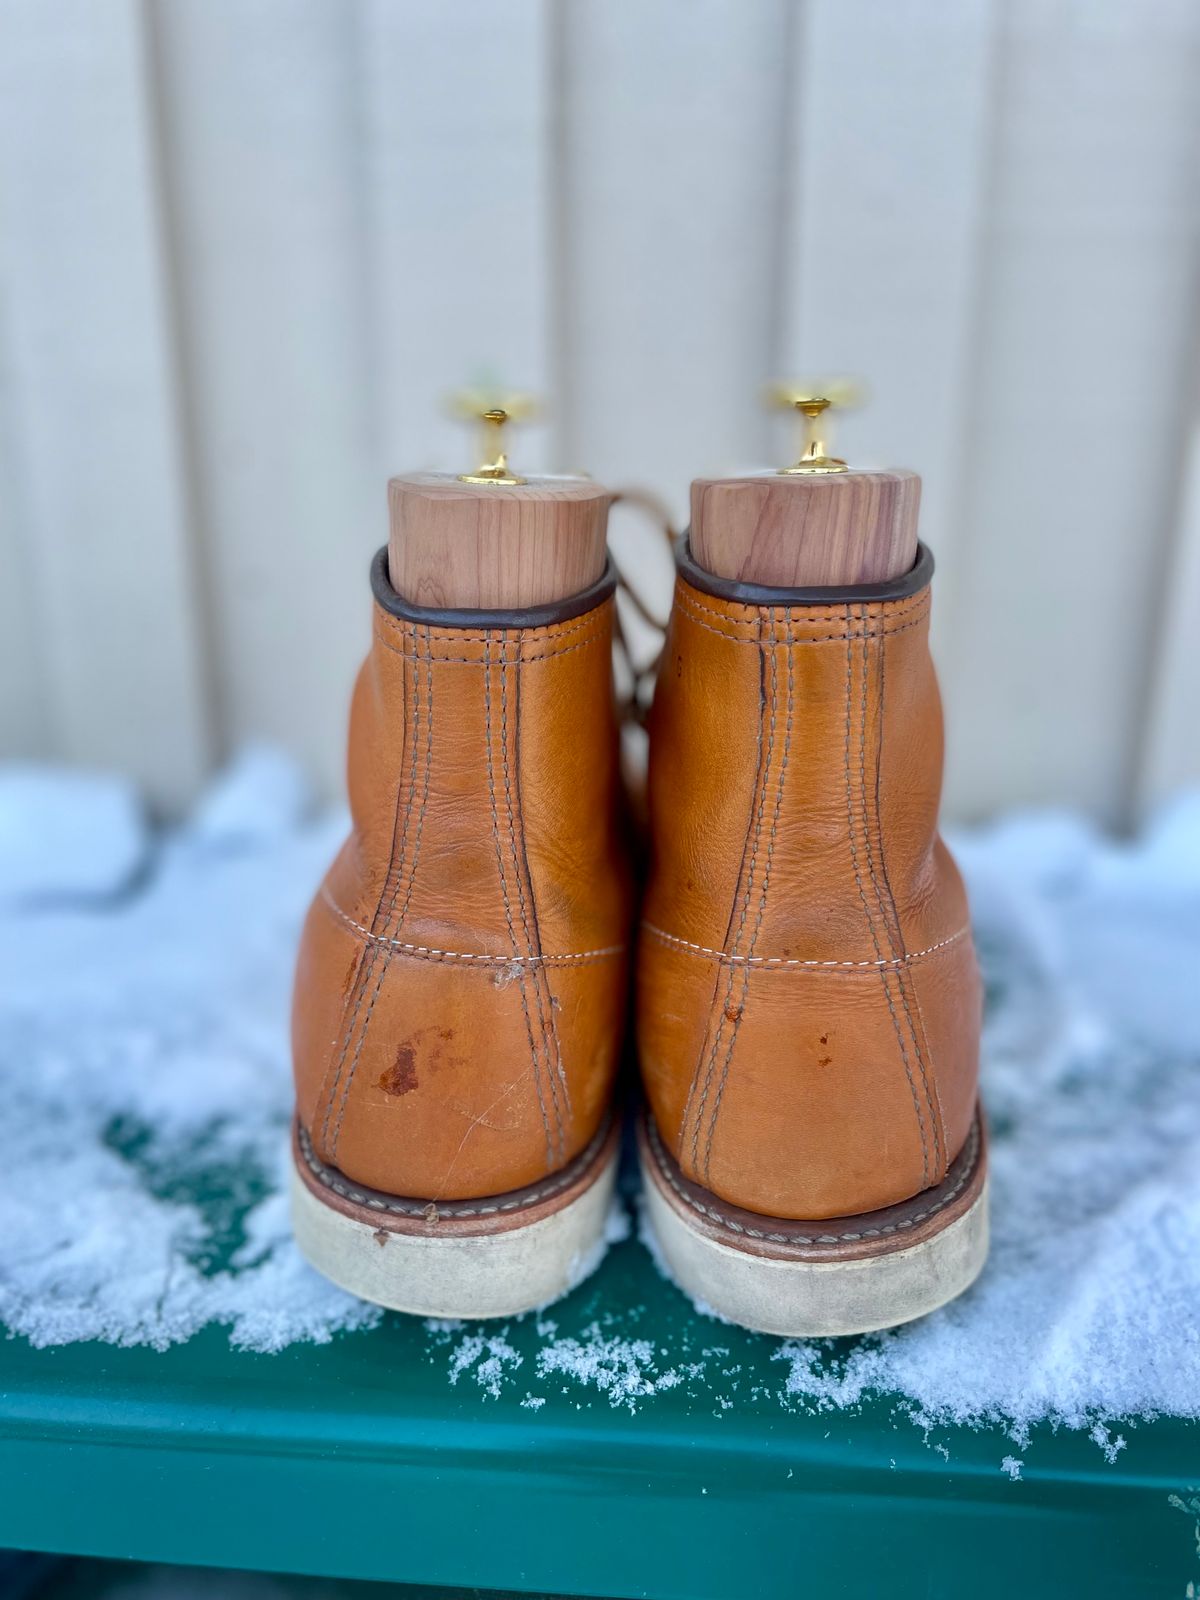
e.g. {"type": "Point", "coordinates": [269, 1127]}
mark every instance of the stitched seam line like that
{"type": "Point", "coordinates": [512, 783]}
{"type": "Point", "coordinates": [739, 1010]}
{"type": "Point", "coordinates": [826, 638]}
{"type": "Point", "coordinates": [543, 635]}
{"type": "Point", "coordinates": [384, 963]}
{"type": "Point", "coordinates": [749, 852]}
{"type": "Point", "coordinates": [479, 661]}
{"type": "Point", "coordinates": [754, 834]}
{"type": "Point", "coordinates": [796, 961]}
{"type": "Point", "coordinates": [508, 916]}
{"type": "Point", "coordinates": [484, 958]}
{"type": "Point", "coordinates": [453, 1209]}
{"type": "Point", "coordinates": [396, 871]}
{"type": "Point", "coordinates": [799, 614]}
{"type": "Point", "coordinates": [973, 1147]}
{"type": "Point", "coordinates": [766, 882]}
{"type": "Point", "coordinates": [887, 902]}
{"type": "Point", "coordinates": [534, 942]}
{"type": "Point", "coordinates": [883, 973]}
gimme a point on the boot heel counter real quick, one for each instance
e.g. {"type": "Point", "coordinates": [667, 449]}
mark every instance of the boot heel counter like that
{"type": "Point", "coordinates": [414, 1064]}
{"type": "Point", "coordinates": [826, 1113]}
{"type": "Point", "coordinates": [426, 1069]}
{"type": "Point", "coordinates": [459, 980]}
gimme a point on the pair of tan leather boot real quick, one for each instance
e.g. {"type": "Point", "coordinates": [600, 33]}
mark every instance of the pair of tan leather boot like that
{"type": "Point", "coordinates": [807, 995]}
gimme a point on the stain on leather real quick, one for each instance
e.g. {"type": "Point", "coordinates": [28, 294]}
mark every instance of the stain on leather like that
{"type": "Point", "coordinates": [349, 976]}
{"type": "Point", "coordinates": [401, 1076]}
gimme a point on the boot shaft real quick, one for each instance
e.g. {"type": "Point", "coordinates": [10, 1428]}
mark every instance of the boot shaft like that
{"type": "Point", "coordinates": [819, 1053]}
{"type": "Point", "coordinates": [461, 975]}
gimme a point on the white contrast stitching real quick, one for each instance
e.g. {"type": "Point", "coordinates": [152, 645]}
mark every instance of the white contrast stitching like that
{"type": "Point", "coordinates": [824, 638]}
{"type": "Point", "coordinates": [546, 634]}
{"type": "Point", "coordinates": [570, 958]}
{"type": "Point", "coordinates": [972, 1149]}
{"type": "Point", "coordinates": [480, 661]}
{"type": "Point", "coordinates": [451, 1209]}
{"type": "Point", "coordinates": [796, 961]}
{"type": "Point", "coordinates": [741, 611]}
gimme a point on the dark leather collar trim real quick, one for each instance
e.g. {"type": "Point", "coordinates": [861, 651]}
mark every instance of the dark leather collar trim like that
{"type": "Point", "coordinates": [532, 617]}
{"type": "Point", "coordinates": [759, 594]}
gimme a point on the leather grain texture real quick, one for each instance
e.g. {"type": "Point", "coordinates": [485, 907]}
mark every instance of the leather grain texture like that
{"type": "Point", "coordinates": [809, 1001]}
{"type": "Point", "coordinates": [460, 989]}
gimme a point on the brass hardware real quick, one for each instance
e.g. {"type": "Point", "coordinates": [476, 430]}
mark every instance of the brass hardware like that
{"type": "Point", "coordinates": [811, 402]}
{"type": "Point", "coordinates": [492, 411]}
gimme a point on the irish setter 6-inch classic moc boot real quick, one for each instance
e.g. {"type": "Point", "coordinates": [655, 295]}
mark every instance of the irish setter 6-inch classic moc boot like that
{"type": "Point", "coordinates": [808, 995]}
{"type": "Point", "coordinates": [460, 992]}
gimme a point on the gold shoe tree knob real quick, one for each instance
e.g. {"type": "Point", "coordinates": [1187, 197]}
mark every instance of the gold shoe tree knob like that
{"type": "Point", "coordinates": [812, 401]}
{"type": "Point", "coordinates": [492, 412]}
{"type": "Point", "coordinates": [491, 540]}
{"type": "Point", "coordinates": [816, 523]}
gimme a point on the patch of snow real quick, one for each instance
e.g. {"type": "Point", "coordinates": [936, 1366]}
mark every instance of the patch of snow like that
{"type": "Point", "coordinates": [488, 1358]}
{"type": "Point", "coordinates": [67, 837]}
{"type": "Point", "coordinates": [617, 1224]}
{"type": "Point", "coordinates": [1110, 1448]}
{"type": "Point", "coordinates": [1012, 1466]}
{"type": "Point", "coordinates": [443, 1327]}
{"type": "Point", "coordinates": [624, 1371]}
{"type": "Point", "coordinates": [1092, 1050]}
{"type": "Point", "coordinates": [815, 1372]}
{"type": "Point", "coordinates": [144, 1060]}
{"type": "Point", "coordinates": [261, 796]}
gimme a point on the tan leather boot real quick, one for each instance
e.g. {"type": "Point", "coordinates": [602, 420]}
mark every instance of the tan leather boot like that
{"type": "Point", "coordinates": [808, 994]}
{"type": "Point", "coordinates": [460, 992]}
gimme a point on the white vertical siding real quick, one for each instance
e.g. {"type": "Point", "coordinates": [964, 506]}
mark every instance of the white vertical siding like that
{"type": "Point", "coordinates": [891, 152]}
{"type": "Point", "coordinates": [671, 216]}
{"type": "Point", "coordinates": [263, 155]}
{"type": "Point", "coordinates": [97, 448]}
{"type": "Point", "coordinates": [248, 245]}
{"type": "Point", "coordinates": [1166, 758]}
{"type": "Point", "coordinates": [457, 108]}
{"type": "Point", "coordinates": [1080, 392]}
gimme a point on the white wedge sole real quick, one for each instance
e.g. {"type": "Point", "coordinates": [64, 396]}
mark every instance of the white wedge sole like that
{"type": "Point", "coordinates": [487, 1258]}
{"type": "Point", "coordinates": [856, 1275]}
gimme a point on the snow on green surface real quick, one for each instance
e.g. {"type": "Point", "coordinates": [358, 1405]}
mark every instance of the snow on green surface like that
{"type": "Point", "coordinates": [145, 1075]}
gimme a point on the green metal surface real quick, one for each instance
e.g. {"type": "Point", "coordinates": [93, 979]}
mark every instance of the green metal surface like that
{"type": "Point", "coordinates": [362, 1459]}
